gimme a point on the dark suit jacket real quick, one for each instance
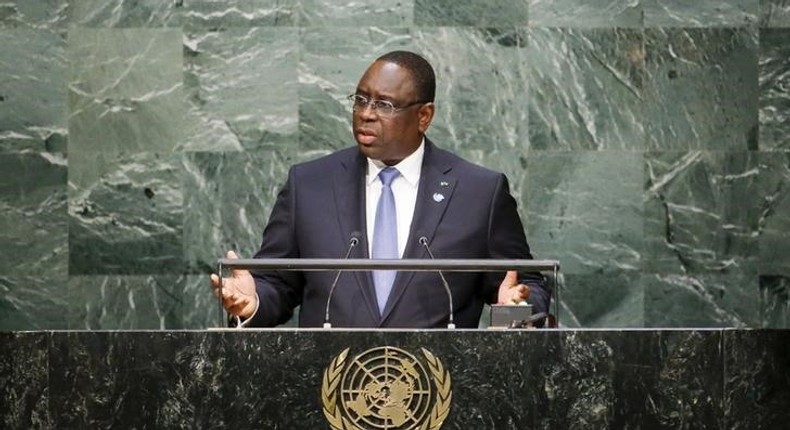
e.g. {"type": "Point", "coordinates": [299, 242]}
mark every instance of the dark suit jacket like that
{"type": "Point", "coordinates": [323, 203]}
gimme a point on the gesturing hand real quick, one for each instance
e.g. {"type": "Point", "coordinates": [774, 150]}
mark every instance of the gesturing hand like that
{"type": "Point", "coordinates": [511, 292]}
{"type": "Point", "coordinates": [238, 291]}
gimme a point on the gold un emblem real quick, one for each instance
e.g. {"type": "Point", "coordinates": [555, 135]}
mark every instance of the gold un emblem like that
{"type": "Point", "coordinates": [386, 388]}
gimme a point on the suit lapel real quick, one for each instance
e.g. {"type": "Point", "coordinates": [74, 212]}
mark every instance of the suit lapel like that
{"type": "Point", "coordinates": [349, 191]}
{"type": "Point", "coordinates": [433, 196]}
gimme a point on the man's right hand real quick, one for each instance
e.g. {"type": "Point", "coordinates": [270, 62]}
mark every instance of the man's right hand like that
{"type": "Point", "coordinates": [238, 291]}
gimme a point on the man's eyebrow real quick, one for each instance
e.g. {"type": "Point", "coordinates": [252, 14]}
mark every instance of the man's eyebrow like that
{"type": "Point", "coordinates": [386, 97]}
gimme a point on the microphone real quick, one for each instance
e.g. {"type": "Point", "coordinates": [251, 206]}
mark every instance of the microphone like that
{"type": "Point", "coordinates": [354, 241]}
{"type": "Point", "coordinates": [424, 242]}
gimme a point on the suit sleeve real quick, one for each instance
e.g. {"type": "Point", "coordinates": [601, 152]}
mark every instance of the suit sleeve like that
{"type": "Point", "coordinates": [279, 292]}
{"type": "Point", "coordinates": [506, 240]}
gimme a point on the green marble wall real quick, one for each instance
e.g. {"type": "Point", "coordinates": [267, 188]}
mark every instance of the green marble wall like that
{"type": "Point", "coordinates": [648, 144]}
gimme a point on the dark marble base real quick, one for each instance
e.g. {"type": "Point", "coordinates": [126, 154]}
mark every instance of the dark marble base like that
{"type": "Point", "coordinates": [679, 379]}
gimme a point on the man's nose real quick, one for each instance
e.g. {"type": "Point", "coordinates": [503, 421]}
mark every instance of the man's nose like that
{"type": "Point", "coordinates": [367, 112]}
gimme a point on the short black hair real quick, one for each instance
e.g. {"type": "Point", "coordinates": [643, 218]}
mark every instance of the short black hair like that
{"type": "Point", "coordinates": [420, 69]}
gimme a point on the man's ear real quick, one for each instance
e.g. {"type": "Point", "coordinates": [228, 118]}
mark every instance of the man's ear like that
{"type": "Point", "coordinates": [426, 116]}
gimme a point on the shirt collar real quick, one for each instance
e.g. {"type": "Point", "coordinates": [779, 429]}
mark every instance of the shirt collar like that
{"type": "Point", "coordinates": [410, 167]}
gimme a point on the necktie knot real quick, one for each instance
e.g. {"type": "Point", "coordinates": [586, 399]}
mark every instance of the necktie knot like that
{"type": "Point", "coordinates": [387, 175]}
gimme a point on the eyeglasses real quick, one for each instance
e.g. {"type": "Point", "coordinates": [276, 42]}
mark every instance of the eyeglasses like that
{"type": "Point", "coordinates": [382, 107]}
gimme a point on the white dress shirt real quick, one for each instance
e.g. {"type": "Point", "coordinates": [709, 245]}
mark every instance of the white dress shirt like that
{"type": "Point", "coordinates": [404, 187]}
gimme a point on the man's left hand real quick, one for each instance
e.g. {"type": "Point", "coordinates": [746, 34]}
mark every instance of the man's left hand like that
{"type": "Point", "coordinates": [510, 291]}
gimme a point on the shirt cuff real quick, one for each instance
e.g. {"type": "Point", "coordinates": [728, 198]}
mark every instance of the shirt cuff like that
{"type": "Point", "coordinates": [246, 322]}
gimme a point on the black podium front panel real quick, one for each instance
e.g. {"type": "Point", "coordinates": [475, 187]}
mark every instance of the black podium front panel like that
{"type": "Point", "coordinates": [303, 379]}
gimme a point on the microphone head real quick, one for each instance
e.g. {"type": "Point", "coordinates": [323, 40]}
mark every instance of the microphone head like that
{"type": "Point", "coordinates": [355, 236]}
{"type": "Point", "coordinates": [423, 240]}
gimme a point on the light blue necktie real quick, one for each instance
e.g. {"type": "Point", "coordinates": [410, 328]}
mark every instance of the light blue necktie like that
{"type": "Point", "coordinates": [385, 236]}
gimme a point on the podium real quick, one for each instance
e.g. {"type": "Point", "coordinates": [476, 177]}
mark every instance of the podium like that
{"type": "Point", "coordinates": [339, 265]}
{"type": "Point", "coordinates": [498, 379]}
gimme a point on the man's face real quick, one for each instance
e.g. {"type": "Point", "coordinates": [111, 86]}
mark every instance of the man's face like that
{"type": "Point", "coordinates": [390, 138]}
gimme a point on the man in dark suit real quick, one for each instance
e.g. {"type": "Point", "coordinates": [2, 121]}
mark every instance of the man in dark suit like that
{"type": "Point", "coordinates": [394, 188]}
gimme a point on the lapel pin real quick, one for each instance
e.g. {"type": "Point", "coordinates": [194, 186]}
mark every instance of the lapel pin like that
{"type": "Point", "coordinates": [438, 197]}
{"type": "Point", "coordinates": [444, 183]}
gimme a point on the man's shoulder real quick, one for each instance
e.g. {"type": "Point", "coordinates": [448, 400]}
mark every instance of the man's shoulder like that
{"type": "Point", "coordinates": [444, 158]}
